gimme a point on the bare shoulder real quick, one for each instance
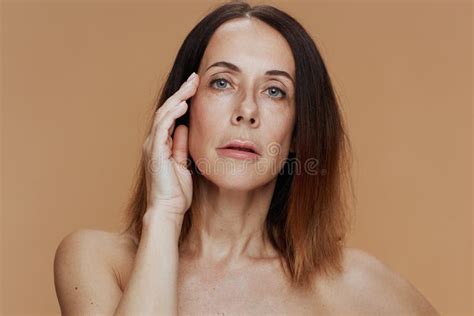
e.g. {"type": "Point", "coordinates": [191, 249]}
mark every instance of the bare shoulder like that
{"type": "Point", "coordinates": [106, 244]}
{"type": "Point", "coordinates": [368, 286]}
{"type": "Point", "coordinates": [86, 266]}
{"type": "Point", "coordinates": [86, 236]}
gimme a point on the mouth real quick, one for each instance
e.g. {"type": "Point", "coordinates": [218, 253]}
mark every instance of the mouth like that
{"type": "Point", "coordinates": [238, 153]}
{"type": "Point", "coordinates": [237, 148]}
{"type": "Point", "coordinates": [240, 148]}
{"type": "Point", "coordinates": [241, 145]}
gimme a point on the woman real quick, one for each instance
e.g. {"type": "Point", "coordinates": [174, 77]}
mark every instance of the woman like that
{"type": "Point", "coordinates": [240, 209]}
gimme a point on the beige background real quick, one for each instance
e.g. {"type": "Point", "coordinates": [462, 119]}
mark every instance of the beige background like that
{"type": "Point", "coordinates": [79, 79]}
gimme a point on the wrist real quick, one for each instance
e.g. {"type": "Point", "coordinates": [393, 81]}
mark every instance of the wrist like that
{"type": "Point", "coordinates": [161, 217]}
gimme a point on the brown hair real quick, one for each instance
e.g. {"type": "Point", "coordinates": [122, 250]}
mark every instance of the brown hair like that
{"type": "Point", "coordinates": [308, 216]}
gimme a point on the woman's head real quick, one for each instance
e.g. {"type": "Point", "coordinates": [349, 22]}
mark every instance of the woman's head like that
{"type": "Point", "coordinates": [306, 222]}
{"type": "Point", "coordinates": [246, 92]}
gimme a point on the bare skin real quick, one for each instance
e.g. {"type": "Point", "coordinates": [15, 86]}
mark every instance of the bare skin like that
{"type": "Point", "coordinates": [244, 103]}
{"type": "Point", "coordinates": [366, 287]}
{"type": "Point", "coordinates": [227, 266]}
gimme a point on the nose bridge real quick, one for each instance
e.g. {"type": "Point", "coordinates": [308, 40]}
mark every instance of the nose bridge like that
{"type": "Point", "coordinates": [248, 99]}
{"type": "Point", "coordinates": [246, 108]}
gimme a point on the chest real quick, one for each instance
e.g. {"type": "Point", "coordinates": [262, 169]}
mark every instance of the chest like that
{"type": "Point", "coordinates": [249, 291]}
{"type": "Point", "coordinates": [256, 289]}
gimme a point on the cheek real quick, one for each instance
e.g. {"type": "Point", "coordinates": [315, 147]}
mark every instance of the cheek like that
{"type": "Point", "coordinates": [278, 135]}
{"type": "Point", "coordinates": [280, 123]}
{"type": "Point", "coordinates": [205, 124]}
{"type": "Point", "coordinates": [202, 115]}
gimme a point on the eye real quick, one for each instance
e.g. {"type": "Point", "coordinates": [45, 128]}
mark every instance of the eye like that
{"type": "Point", "coordinates": [274, 92]}
{"type": "Point", "coordinates": [221, 83]}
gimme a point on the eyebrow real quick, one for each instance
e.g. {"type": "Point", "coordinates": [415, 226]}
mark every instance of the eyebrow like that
{"type": "Point", "coordinates": [233, 67]}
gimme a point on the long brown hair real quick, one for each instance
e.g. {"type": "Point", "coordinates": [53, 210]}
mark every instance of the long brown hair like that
{"type": "Point", "coordinates": [308, 217]}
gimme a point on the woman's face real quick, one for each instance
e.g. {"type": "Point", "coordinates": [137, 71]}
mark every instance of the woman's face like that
{"type": "Point", "coordinates": [249, 97]}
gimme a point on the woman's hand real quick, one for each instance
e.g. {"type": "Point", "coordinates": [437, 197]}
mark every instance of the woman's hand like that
{"type": "Point", "coordinates": [168, 180]}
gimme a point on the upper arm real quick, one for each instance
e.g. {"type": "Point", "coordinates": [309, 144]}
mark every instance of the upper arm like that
{"type": "Point", "coordinates": [384, 291]}
{"type": "Point", "coordinates": [85, 282]}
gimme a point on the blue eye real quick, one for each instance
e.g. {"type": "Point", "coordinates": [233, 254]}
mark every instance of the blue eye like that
{"type": "Point", "coordinates": [283, 94]}
{"type": "Point", "coordinates": [280, 94]}
{"type": "Point", "coordinates": [220, 80]}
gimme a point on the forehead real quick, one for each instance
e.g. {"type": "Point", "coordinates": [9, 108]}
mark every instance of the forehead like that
{"type": "Point", "coordinates": [250, 44]}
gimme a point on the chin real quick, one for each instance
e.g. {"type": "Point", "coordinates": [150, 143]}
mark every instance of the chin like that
{"type": "Point", "coordinates": [233, 174]}
{"type": "Point", "coordinates": [238, 178]}
{"type": "Point", "coordinates": [236, 183]}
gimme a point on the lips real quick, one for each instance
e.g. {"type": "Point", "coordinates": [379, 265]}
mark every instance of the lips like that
{"type": "Point", "coordinates": [240, 148]}
{"type": "Point", "coordinates": [242, 145]}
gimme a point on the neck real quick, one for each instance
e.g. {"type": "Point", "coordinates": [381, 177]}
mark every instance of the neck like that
{"type": "Point", "coordinates": [229, 226]}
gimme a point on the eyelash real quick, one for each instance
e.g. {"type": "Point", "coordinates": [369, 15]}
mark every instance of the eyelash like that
{"type": "Point", "coordinates": [283, 93]}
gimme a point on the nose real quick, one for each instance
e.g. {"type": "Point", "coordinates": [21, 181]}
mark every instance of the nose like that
{"type": "Point", "coordinates": [246, 113]}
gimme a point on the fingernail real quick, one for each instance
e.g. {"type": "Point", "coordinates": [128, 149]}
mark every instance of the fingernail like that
{"type": "Point", "coordinates": [191, 77]}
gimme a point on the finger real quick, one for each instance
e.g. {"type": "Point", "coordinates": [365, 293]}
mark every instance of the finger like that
{"type": "Point", "coordinates": [186, 91]}
{"type": "Point", "coordinates": [170, 130]}
{"type": "Point", "coordinates": [169, 106]}
{"type": "Point", "coordinates": [180, 145]}
{"type": "Point", "coordinates": [163, 127]}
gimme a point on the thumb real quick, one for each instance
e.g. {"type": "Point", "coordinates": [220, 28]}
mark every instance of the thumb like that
{"type": "Point", "coordinates": [180, 145]}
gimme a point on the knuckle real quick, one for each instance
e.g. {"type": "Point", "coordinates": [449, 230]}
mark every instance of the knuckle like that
{"type": "Point", "coordinates": [172, 99]}
{"type": "Point", "coordinates": [160, 115]}
{"type": "Point", "coordinates": [160, 110]}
